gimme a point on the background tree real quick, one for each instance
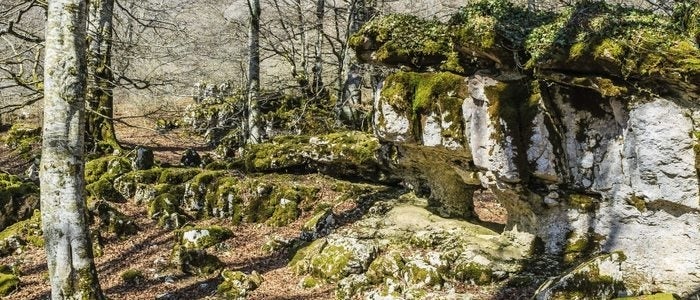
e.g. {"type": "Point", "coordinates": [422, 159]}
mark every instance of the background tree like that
{"type": "Point", "coordinates": [68, 247]}
{"type": "Point", "coordinates": [100, 135]}
{"type": "Point", "coordinates": [254, 132]}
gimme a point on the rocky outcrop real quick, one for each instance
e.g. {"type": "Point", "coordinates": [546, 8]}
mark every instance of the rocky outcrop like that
{"type": "Point", "coordinates": [401, 250]}
{"type": "Point", "coordinates": [592, 147]}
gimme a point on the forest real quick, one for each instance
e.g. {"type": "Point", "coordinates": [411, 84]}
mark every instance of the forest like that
{"type": "Point", "coordinates": [349, 149]}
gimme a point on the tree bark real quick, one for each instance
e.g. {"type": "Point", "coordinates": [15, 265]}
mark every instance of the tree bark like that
{"type": "Point", "coordinates": [254, 132]}
{"type": "Point", "coordinates": [319, 90]}
{"type": "Point", "coordinates": [67, 242]}
{"type": "Point", "coordinates": [100, 126]}
{"type": "Point", "coordinates": [350, 95]}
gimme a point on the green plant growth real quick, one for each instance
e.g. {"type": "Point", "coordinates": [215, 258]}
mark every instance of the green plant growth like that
{"type": "Point", "coordinates": [22, 138]}
{"type": "Point", "coordinates": [406, 39]}
{"type": "Point", "coordinates": [29, 231]}
{"type": "Point", "coordinates": [418, 92]}
{"type": "Point", "coordinates": [132, 276]}
{"type": "Point", "coordinates": [203, 237]}
{"type": "Point", "coordinates": [8, 283]}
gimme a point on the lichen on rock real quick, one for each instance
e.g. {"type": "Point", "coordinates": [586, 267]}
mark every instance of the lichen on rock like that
{"type": "Point", "coordinates": [237, 285]}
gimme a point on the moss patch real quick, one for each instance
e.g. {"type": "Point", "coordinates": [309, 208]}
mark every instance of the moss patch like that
{"type": "Point", "coordinates": [203, 237]}
{"type": "Point", "coordinates": [18, 198]}
{"type": "Point", "coordinates": [132, 276]}
{"type": "Point", "coordinates": [27, 232]}
{"type": "Point", "coordinates": [8, 284]}
{"type": "Point", "coordinates": [342, 154]}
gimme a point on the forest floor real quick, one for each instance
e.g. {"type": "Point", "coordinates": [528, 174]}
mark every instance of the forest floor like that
{"type": "Point", "coordinates": [150, 249]}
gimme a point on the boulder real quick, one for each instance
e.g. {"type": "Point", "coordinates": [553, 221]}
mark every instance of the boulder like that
{"type": "Point", "coordinates": [143, 160]}
{"type": "Point", "coordinates": [191, 158]}
{"type": "Point", "coordinates": [237, 285]}
{"type": "Point", "coordinates": [403, 249]}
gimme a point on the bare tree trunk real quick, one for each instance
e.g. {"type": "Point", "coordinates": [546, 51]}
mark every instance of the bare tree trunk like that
{"type": "Point", "coordinates": [253, 123]}
{"type": "Point", "coordinates": [349, 92]}
{"type": "Point", "coordinates": [100, 126]}
{"type": "Point", "coordinates": [318, 87]}
{"type": "Point", "coordinates": [68, 248]}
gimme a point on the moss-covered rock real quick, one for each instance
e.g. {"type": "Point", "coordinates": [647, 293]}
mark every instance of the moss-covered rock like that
{"type": "Point", "coordinates": [342, 154]}
{"type": "Point", "coordinates": [8, 283]}
{"type": "Point", "coordinates": [417, 252]}
{"type": "Point", "coordinates": [177, 175]}
{"type": "Point", "coordinates": [113, 220]}
{"type": "Point", "coordinates": [194, 261]}
{"type": "Point", "coordinates": [132, 276]}
{"type": "Point", "coordinates": [319, 225]}
{"type": "Point", "coordinates": [591, 37]}
{"type": "Point", "coordinates": [595, 37]}
{"type": "Point", "coordinates": [23, 139]}
{"type": "Point", "coordinates": [104, 190]}
{"type": "Point", "coordinates": [21, 234]}
{"type": "Point", "coordinates": [203, 237]}
{"type": "Point", "coordinates": [404, 39]}
{"type": "Point", "coordinates": [106, 168]}
{"type": "Point", "coordinates": [237, 285]}
{"type": "Point", "coordinates": [18, 199]}
{"type": "Point", "coordinates": [659, 296]}
{"type": "Point", "coordinates": [333, 258]}
{"type": "Point", "coordinates": [166, 209]}
{"type": "Point", "coordinates": [598, 278]}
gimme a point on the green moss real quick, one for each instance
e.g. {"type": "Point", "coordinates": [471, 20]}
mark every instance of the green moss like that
{"type": "Point", "coordinates": [178, 175]}
{"type": "Point", "coordinates": [510, 102]}
{"type": "Point", "coordinates": [23, 138]}
{"type": "Point", "coordinates": [322, 260]}
{"type": "Point", "coordinates": [17, 198]}
{"type": "Point", "coordinates": [149, 176]}
{"type": "Point", "coordinates": [586, 281]}
{"type": "Point", "coordinates": [225, 201]}
{"type": "Point", "coordinates": [207, 236]}
{"type": "Point", "coordinates": [420, 91]}
{"type": "Point", "coordinates": [284, 213]}
{"type": "Point", "coordinates": [421, 274]}
{"type": "Point", "coordinates": [342, 154]}
{"type": "Point", "coordinates": [582, 202]}
{"type": "Point", "coordinates": [237, 285]}
{"type": "Point", "coordinates": [617, 40]}
{"type": "Point", "coordinates": [28, 230]}
{"type": "Point", "coordinates": [309, 282]}
{"type": "Point", "coordinates": [638, 203]}
{"type": "Point", "coordinates": [405, 38]}
{"type": "Point", "coordinates": [103, 189]}
{"type": "Point", "coordinates": [477, 273]}
{"type": "Point", "coordinates": [8, 284]}
{"type": "Point", "coordinates": [197, 262]}
{"type": "Point", "coordinates": [332, 263]}
{"type": "Point", "coordinates": [106, 168]}
{"type": "Point", "coordinates": [385, 266]}
{"type": "Point", "coordinates": [132, 276]}
{"type": "Point", "coordinates": [113, 220]}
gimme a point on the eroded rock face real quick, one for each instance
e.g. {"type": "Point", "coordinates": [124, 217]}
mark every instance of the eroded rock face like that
{"type": "Point", "coordinates": [585, 172]}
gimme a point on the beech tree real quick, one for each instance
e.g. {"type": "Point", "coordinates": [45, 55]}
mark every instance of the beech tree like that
{"type": "Point", "coordinates": [100, 126]}
{"type": "Point", "coordinates": [253, 122]}
{"type": "Point", "coordinates": [72, 272]}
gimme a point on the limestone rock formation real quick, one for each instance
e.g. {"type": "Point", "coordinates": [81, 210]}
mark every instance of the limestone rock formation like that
{"type": "Point", "coordinates": [586, 136]}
